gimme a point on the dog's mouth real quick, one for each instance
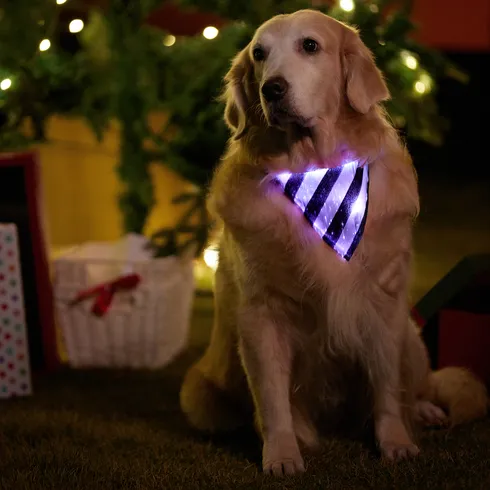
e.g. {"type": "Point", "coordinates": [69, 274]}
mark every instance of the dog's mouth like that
{"type": "Point", "coordinates": [280, 115]}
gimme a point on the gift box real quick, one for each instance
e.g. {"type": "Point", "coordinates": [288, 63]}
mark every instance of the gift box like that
{"type": "Point", "coordinates": [455, 318]}
{"type": "Point", "coordinates": [117, 306]}
{"type": "Point", "coordinates": [15, 375]}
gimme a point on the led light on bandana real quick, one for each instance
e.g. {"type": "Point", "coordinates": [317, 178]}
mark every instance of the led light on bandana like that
{"type": "Point", "coordinates": [334, 201]}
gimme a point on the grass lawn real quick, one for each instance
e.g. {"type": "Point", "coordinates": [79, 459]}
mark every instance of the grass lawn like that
{"type": "Point", "coordinates": [123, 430]}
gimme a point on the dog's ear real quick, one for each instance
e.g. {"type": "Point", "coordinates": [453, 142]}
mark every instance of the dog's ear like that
{"type": "Point", "coordinates": [237, 93]}
{"type": "Point", "coordinates": [365, 86]}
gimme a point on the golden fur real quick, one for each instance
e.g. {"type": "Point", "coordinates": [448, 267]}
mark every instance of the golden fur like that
{"type": "Point", "coordinates": [306, 341]}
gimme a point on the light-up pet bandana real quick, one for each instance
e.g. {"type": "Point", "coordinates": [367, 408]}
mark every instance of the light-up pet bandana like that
{"type": "Point", "coordinates": [334, 201]}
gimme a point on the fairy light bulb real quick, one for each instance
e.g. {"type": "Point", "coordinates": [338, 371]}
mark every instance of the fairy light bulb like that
{"type": "Point", "coordinates": [44, 45]}
{"type": "Point", "coordinates": [423, 85]}
{"type": "Point", "coordinates": [210, 32]}
{"type": "Point", "coordinates": [409, 60]}
{"type": "Point", "coordinates": [60, 2]}
{"type": "Point", "coordinates": [76, 25]}
{"type": "Point", "coordinates": [169, 40]}
{"type": "Point", "coordinates": [347, 5]}
{"type": "Point", "coordinates": [5, 84]}
{"type": "Point", "coordinates": [211, 258]}
{"type": "Point", "coordinates": [420, 87]}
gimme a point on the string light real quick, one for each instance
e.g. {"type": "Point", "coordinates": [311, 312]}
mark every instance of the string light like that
{"type": "Point", "coordinates": [76, 25]}
{"type": "Point", "coordinates": [420, 87]}
{"type": "Point", "coordinates": [169, 40]}
{"type": "Point", "coordinates": [210, 32]}
{"type": "Point", "coordinates": [5, 84]}
{"type": "Point", "coordinates": [44, 45]}
{"type": "Point", "coordinates": [347, 5]}
{"type": "Point", "coordinates": [409, 59]}
{"type": "Point", "coordinates": [423, 85]}
{"type": "Point", "coordinates": [211, 258]}
{"type": "Point", "coordinates": [60, 2]}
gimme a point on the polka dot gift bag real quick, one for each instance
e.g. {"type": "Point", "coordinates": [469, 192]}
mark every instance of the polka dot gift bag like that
{"type": "Point", "coordinates": [15, 376]}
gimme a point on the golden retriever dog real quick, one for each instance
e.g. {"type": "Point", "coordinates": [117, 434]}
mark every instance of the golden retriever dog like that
{"type": "Point", "coordinates": [306, 341]}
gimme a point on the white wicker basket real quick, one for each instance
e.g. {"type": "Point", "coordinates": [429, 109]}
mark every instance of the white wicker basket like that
{"type": "Point", "coordinates": [143, 328]}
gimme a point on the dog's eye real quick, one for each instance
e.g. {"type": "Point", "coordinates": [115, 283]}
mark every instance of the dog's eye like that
{"type": "Point", "coordinates": [258, 54]}
{"type": "Point", "coordinates": [310, 45]}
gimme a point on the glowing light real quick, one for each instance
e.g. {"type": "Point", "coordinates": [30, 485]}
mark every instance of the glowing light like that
{"type": "Point", "coordinates": [44, 45]}
{"type": "Point", "coordinates": [210, 32]}
{"type": "Point", "coordinates": [409, 59]}
{"type": "Point", "coordinates": [60, 2]}
{"type": "Point", "coordinates": [211, 258]}
{"type": "Point", "coordinates": [374, 8]}
{"type": "Point", "coordinates": [347, 5]}
{"type": "Point", "coordinates": [427, 80]}
{"type": "Point", "coordinates": [5, 84]}
{"type": "Point", "coordinates": [283, 177]}
{"type": "Point", "coordinates": [334, 202]}
{"type": "Point", "coordinates": [76, 25]}
{"type": "Point", "coordinates": [169, 40]}
{"type": "Point", "coordinates": [420, 87]}
{"type": "Point", "coordinates": [424, 84]}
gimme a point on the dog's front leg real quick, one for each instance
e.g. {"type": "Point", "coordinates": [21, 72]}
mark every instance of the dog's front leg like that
{"type": "Point", "coordinates": [393, 438]}
{"type": "Point", "coordinates": [266, 353]}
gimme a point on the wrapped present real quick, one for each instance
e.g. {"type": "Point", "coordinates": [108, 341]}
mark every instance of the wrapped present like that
{"type": "Point", "coordinates": [120, 307]}
{"type": "Point", "coordinates": [15, 376]}
{"type": "Point", "coordinates": [455, 318]}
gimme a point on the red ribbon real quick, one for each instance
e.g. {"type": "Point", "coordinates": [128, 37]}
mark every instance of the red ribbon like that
{"type": "Point", "coordinates": [105, 292]}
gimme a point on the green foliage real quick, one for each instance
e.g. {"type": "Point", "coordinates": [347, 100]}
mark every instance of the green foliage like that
{"type": "Point", "coordinates": [186, 237]}
{"type": "Point", "coordinates": [44, 83]}
{"type": "Point", "coordinates": [133, 97]}
{"type": "Point", "coordinates": [194, 111]}
{"type": "Point", "coordinates": [254, 12]}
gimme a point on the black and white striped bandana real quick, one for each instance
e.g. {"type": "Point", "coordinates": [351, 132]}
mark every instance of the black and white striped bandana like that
{"type": "Point", "coordinates": [334, 201]}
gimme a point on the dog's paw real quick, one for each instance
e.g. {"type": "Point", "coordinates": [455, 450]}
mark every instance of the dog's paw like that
{"type": "Point", "coordinates": [394, 441]}
{"type": "Point", "coordinates": [429, 414]}
{"type": "Point", "coordinates": [281, 456]}
{"type": "Point", "coordinates": [396, 451]}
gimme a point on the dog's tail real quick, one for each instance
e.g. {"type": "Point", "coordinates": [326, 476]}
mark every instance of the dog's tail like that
{"type": "Point", "coordinates": [460, 393]}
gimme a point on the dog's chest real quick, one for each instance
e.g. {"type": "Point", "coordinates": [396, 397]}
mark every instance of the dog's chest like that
{"type": "Point", "coordinates": [290, 256]}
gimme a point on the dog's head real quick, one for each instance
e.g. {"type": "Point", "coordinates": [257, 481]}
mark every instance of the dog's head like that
{"type": "Point", "coordinates": [299, 69]}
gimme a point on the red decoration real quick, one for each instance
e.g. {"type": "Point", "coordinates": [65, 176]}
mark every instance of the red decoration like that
{"type": "Point", "coordinates": [35, 272]}
{"type": "Point", "coordinates": [464, 340]}
{"type": "Point", "coordinates": [104, 293]}
{"type": "Point", "coordinates": [455, 317]}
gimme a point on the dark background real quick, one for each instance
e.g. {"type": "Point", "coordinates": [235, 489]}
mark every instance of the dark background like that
{"type": "Point", "coordinates": [465, 153]}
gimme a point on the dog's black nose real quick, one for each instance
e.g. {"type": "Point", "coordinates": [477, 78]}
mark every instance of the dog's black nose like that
{"type": "Point", "coordinates": [275, 89]}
